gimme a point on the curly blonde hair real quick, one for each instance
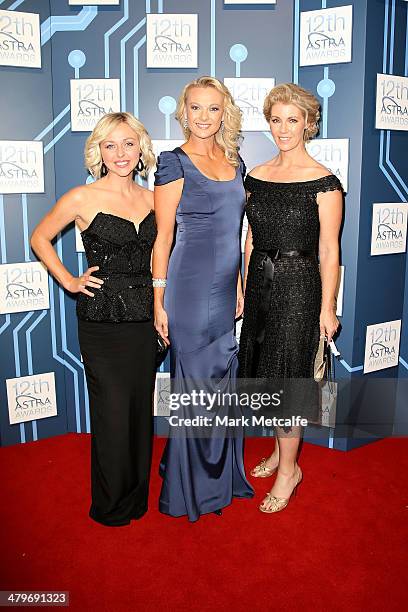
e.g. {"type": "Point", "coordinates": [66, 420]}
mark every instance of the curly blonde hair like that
{"type": "Point", "coordinates": [105, 125]}
{"type": "Point", "coordinates": [289, 93]}
{"type": "Point", "coordinates": [227, 139]}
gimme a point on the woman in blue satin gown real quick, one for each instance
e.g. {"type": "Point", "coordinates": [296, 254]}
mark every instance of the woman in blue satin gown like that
{"type": "Point", "coordinates": [199, 188]}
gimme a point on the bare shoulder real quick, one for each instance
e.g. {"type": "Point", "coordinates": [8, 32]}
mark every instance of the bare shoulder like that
{"type": "Point", "coordinates": [261, 171]}
{"type": "Point", "coordinates": [146, 195]}
{"type": "Point", "coordinates": [74, 198]}
{"type": "Point", "coordinates": [316, 171]}
{"type": "Point", "coordinates": [81, 203]}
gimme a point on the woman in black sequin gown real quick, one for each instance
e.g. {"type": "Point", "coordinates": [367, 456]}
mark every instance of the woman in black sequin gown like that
{"type": "Point", "coordinates": [294, 211]}
{"type": "Point", "coordinates": [114, 308]}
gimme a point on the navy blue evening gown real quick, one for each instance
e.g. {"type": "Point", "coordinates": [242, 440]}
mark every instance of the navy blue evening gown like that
{"type": "Point", "coordinates": [201, 475]}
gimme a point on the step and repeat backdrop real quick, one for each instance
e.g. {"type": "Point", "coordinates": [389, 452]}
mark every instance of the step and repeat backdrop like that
{"type": "Point", "coordinates": [64, 63]}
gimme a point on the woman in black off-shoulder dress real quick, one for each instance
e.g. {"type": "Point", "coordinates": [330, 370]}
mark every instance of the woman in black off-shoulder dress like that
{"type": "Point", "coordinates": [294, 212]}
{"type": "Point", "coordinates": [114, 307]}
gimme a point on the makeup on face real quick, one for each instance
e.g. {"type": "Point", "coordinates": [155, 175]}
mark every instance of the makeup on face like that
{"type": "Point", "coordinates": [121, 150]}
{"type": "Point", "coordinates": [287, 125]}
{"type": "Point", "coordinates": [204, 111]}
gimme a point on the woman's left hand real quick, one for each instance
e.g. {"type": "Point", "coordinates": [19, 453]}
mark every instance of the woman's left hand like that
{"type": "Point", "coordinates": [239, 309]}
{"type": "Point", "coordinates": [328, 324]}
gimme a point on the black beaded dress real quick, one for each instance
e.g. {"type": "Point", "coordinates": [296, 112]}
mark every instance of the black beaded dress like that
{"type": "Point", "coordinates": [118, 346]}
{"type": "Point", "coordinates": [280, 331]}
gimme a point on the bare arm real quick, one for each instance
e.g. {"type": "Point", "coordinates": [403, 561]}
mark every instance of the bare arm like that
{"type": "Point", "coordinates": [166, 200]}
{"type": "Point", "coordinates": [62, 214]}
{"type": "Point", "coordinates": [330, 215]}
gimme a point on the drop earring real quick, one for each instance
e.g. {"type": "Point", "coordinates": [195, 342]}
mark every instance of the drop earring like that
{"type": "Point", "coordinates": [140, 165]}
{"type": "Point", "coordinates": [222, 127]}
{"type": "Point", "coordinates": [185, 123]}
{"type": "Point", "coordinates": [104, 170]}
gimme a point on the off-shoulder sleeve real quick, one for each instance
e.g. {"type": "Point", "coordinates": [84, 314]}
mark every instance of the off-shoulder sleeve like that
{"type": "Point", "coordinates": [169, 168]}
{"type": "Point", "coordinates": [329, 183]}
{"type": "Point", "coordinates": [250, 183]}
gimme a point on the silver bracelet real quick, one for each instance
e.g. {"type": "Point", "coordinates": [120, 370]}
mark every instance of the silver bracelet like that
{"type": "Point", "coordinates": [159, 282]}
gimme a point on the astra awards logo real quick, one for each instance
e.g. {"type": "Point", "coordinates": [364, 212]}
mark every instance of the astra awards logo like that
{"type": "Point", "coordinates": [31, 397]}
{"type": "Point", "coordinates": [20, 43]}
{"type": "Point", "coordinates": [392, 102]}
{"type": "Point", "coordinates": [90, 100]}
{"type": "Point", "coordinates": [172, 41]}
{"type": "Point", "coordinates": [23, 287]}
{"type": "Point", "coordinates": [249, 94]}
{"type": "Point", "coordinates": [332, 153]}
{"type": "Point", "coordinates": [382, 346]}
{"type": "Point", "coordinates": [389, 228]}
{"type": "Point", "coordinates": [326, 36]}
{"type": "Point", "coordinates": [162, 392]}
{"type": "Point", "coordinates": [21, 166]}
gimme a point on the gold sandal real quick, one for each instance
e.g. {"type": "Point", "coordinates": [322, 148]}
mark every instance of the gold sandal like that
{"type": "Point", "coordinates": [279, 503]}
{"type": "Point", "coordinates": [262, 470]}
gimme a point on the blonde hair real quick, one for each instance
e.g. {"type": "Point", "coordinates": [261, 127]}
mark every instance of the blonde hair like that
{"type": "Point", "coordinates": [105, 125]}
{"type": "Point", "coordinates": [289, 93]}
{"type": "Point", "coordinates": [228, 138]}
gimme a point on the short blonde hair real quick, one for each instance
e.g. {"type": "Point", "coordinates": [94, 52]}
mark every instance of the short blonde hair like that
{"type": "Point", "coordinates": [105, 125]}
{"type": "Point", "coordinates": [228, 138]}
{"type": "Point", "coordinates": [289, 93]}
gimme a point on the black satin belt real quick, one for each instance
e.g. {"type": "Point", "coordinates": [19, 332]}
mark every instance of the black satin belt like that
{"type": "Point", "coordinates": [267, 264]}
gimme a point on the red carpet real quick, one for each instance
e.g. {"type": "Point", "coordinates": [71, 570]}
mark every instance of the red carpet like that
{"type": "Point", "coordinates": [340, 545]}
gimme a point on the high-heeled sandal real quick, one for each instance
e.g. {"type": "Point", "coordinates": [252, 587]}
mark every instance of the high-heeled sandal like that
{"type": "Point", "coordinates": [262, 470]}
{"type": "Point", "coordinates": [279, 503]}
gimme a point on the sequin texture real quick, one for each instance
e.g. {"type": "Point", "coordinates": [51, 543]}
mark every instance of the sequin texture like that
{"type": "Point", "coordinates": [123, 256]}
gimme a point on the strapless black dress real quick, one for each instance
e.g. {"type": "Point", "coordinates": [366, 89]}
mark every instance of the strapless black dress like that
{"type": "Point", "coordinates": [118, 347]}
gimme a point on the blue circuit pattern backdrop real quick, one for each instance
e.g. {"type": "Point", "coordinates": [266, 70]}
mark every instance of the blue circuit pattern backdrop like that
{"type": "Point", "coordinates": [234, 40]}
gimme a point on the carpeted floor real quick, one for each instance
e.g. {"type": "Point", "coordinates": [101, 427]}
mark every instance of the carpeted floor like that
{"type": "Point", "coordinates": [340, 545]}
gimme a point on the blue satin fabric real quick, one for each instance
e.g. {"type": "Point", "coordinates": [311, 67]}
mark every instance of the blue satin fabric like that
{"type": "Point", "coordinates": [202, 475]}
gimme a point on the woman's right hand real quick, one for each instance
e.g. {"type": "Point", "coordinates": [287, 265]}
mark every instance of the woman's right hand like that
{"type": "Point", "coordinates": [161, 323]}
{"type": "Point", "coordinates": [79, 284]}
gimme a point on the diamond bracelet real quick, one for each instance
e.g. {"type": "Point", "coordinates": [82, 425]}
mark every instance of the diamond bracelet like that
{"type": "Point", "coordinates": [159, 282]}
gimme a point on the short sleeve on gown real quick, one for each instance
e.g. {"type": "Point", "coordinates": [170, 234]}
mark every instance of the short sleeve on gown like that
{"type": "Point", "coordinates": [329, 183]}
{"type": "Point", "coordinates": [169, 168]}
{"type": "Point", "coordinates": [250, 184]}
